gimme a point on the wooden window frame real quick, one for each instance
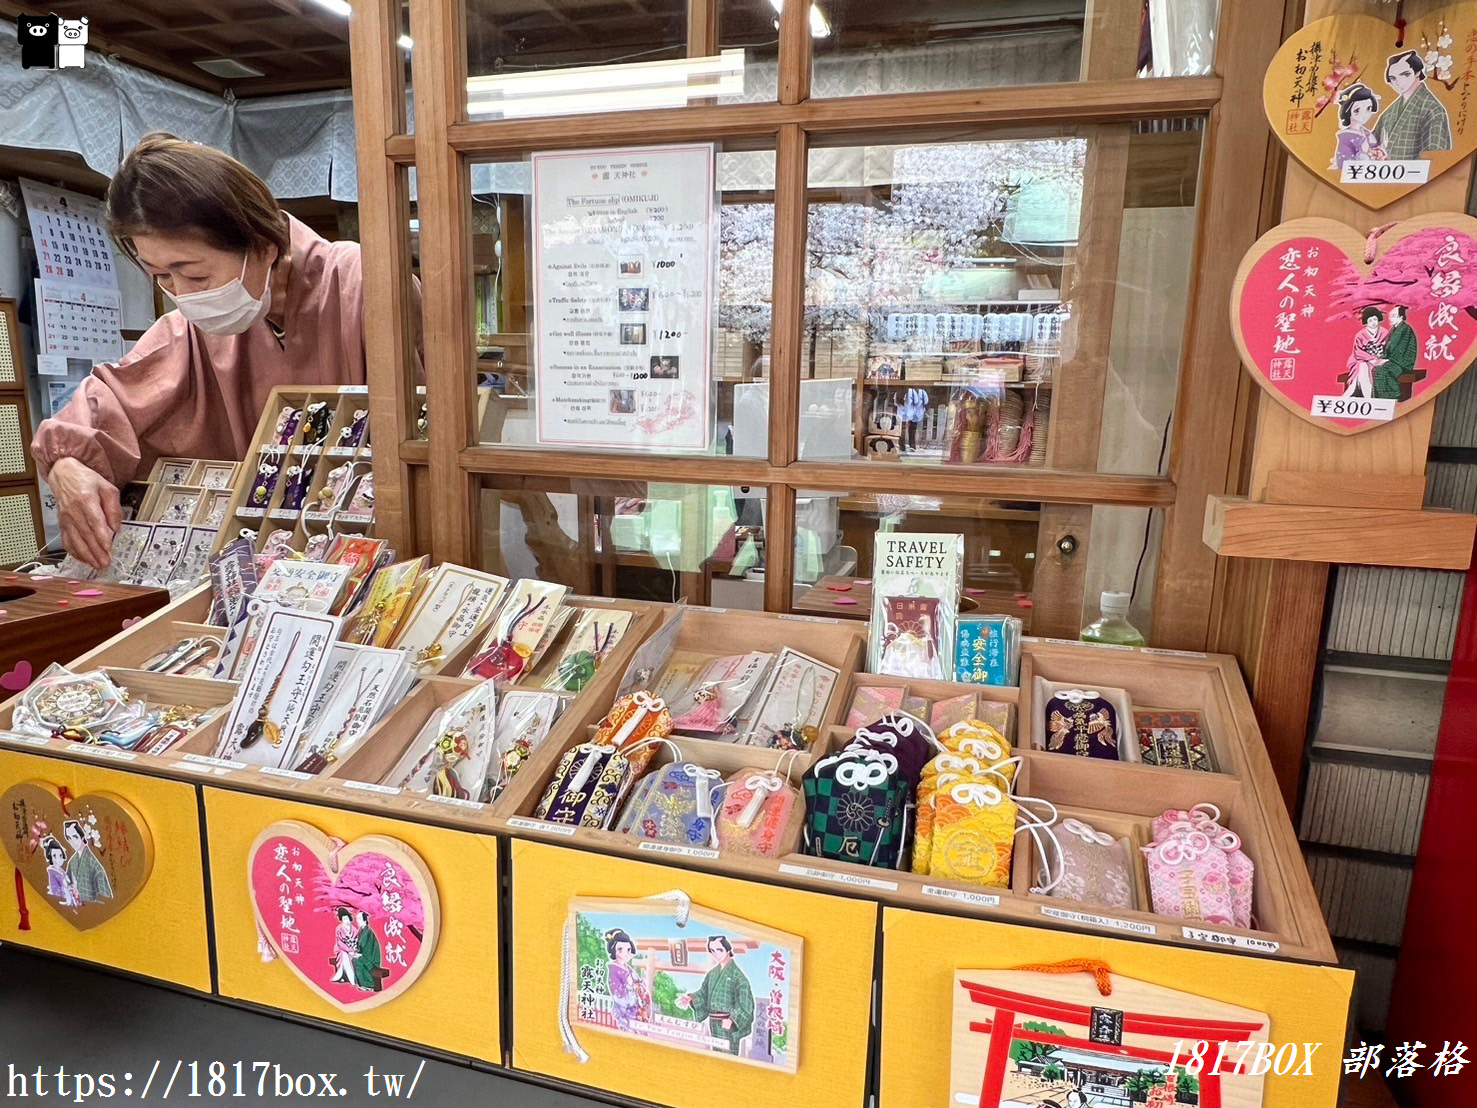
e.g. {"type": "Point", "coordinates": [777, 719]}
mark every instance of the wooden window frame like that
{"type": "Point", "coordinates": [427, 491]}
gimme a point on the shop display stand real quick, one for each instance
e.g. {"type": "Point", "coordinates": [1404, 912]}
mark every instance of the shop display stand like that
{"type": "Point", "coordinates": [311, 518]}
{"type": "Point", "coordinates": [354, 780]}
{"type": "Point", "coordinates": [1289, 923]}
{"type": "Point", "coordinates": [475, 849]}
{"type": "Point", "coordinates": [1286, 906]}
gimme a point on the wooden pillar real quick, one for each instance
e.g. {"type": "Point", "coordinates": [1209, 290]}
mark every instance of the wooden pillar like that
{"type": "Point", "coordinates": [1271, 614]}
{"type": "Point", "coordinates": [384, 217]}
{"type": "Point", "coordinates": [443, 197]}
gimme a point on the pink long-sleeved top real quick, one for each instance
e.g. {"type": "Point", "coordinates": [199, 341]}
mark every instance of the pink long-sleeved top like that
{"type": "Point", "coordinates": [183, 393]}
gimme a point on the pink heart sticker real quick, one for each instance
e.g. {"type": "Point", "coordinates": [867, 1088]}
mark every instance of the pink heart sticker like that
{"type": "Point", "coordinates": [357, 923]}
{"type": "Point", "coordinates": [839, 588]}
{"type": "Point", "coordinates": [88, 592]}
{"type": "Point", "coordinates": [130, 621]}
{"type": "Point", "coordinates": [18, 678]}
{"type": "Point", "coordinates": [844, 601]}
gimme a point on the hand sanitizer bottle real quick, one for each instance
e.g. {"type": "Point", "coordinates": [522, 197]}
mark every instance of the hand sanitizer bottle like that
{"type": "Point", "coordinates": [1113, 626]}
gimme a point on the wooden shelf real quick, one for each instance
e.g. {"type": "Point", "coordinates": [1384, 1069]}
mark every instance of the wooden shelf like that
{"type": "Point", "coordinates": [1426, 539]}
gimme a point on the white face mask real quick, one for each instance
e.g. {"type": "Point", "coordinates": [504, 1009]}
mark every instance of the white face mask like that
{"type": "Point", "coordinates": [228, 310]}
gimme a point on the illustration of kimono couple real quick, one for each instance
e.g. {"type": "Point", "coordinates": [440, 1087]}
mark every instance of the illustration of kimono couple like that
{"type": "Point", "coordinates": [1382, 356]}
{"type": "Point", "coordinates": [81, 879]}
{"type": "Point", "coordinates": [356, 953]}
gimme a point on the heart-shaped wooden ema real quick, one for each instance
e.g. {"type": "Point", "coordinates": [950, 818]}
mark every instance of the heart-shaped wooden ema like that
{"type": "Point", "coordinates": [1345, 67]}
{"type": "Point", "coordinates": [1304, 307]}
{"type": "Point", "coordinates": [357, 922]}
{"type": "Point", "coordinates": [88, 861]}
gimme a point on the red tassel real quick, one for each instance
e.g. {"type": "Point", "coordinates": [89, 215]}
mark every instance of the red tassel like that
{"type": "Point", "coordinates": [20, 900]}
{"type": "Point", "coordinates": [64, 797]}
{"type": "Point", "coordinates": [1399, 33]}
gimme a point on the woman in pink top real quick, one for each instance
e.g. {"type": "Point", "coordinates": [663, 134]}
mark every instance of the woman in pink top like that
{"type": "Point", "coordinates": [260, 301]}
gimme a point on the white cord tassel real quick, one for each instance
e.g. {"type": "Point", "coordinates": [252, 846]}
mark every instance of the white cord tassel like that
{"type": "Point", "coordinates": [566, 1029]}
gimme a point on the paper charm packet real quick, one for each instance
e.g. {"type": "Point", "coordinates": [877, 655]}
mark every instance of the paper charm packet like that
{"type": "Point", "coordinates": [719, 692]}
{"type": "Point", "coordinates": [1173, 739]}
{"type": "Point", "coordinates": [451, 753]}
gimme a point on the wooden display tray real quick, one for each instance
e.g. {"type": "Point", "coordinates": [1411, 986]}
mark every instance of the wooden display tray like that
{"type": "Point", "coordinates": [340, 784]}
{"type": "Point", "coordinates": [1129, 795]}
{"type": "Point", "coordinates": [1244, 790]}
{"type": "Point", "coordinates": [304, 521]}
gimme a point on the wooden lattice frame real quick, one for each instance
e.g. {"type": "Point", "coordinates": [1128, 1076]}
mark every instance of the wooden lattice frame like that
{"type": "Point", "coordinates": [449, 466]}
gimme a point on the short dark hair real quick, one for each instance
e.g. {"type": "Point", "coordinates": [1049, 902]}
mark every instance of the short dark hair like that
{"type": "Point", "coordinates": [1417, 66]}
{"type": "Point", "coordinates": [77, 824]}
{"type": "Point", "coordinates": [1401, 308]}
{"type": "Point", "coordinates": [723, 940]}
{"type": "Point", "coordinates": [169, 186]}
{"type": "Point", "coordinates": [1370, 313]}
{"type": "Point", "coordinates": [344, 913]}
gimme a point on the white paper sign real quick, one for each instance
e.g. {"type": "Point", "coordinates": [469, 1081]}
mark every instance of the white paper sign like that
{"type": "Point", "coordinates": [71, 242]}
{"type": "Point", "coordinates": [78, 321]}
{"type": "Point", "coordinates": [623, 297]}
{"type": "Point", "coordinates": [51, 365]}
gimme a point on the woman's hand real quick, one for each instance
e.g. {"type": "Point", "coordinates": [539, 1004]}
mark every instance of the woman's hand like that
{"type": "Point", "coordinates": [88, 509]}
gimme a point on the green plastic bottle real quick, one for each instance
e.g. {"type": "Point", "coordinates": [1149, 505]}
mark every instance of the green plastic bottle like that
{"type": "Point", "coordinates": [1113, 626]}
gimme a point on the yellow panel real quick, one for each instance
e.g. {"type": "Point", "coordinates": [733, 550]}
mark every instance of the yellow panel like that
{"type": "Point", "coordinates": [453, 1006]}
{"type": "Point", "coordinates": [163, 933]}
{"type": "Point", "coordinates": [835, 997]}
{"type": "Point", "coordinates": [920, 952]}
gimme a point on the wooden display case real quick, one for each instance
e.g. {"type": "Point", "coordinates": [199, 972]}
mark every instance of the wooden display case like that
{"type": "Point", "coordinates": [354, 781]}
{"type": "Point", "coordinates": [1289, 921]}
{"type": "Point", "coordinates": [313, 517]}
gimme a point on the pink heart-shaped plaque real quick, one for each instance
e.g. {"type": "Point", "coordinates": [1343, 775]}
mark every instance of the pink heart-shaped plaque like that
{"type": "Point", "coordinates": [358, 923]}
{"type": "Point", "coordinates": [1348, 344]}
{"type": "Point", "coordinates": [18, 679]}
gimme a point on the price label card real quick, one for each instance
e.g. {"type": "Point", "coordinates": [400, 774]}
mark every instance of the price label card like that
{"type": "Point", "coordinates": [1353, 407]}
{"type": "Point", "coordinates": [525, 824]}
{"type": "Point", "coordinates": [837, 878]}
{"type": "Point", "coordinates": [1386, 173]}
{"type": "Point", "coordinates": [962, 896]}
{"type": "Point", "coordinates": [1231, 942]}
{"type": "Point", "coordinates": [1100, 921]}
{"type": "Point", "coordinates": [677, 850]}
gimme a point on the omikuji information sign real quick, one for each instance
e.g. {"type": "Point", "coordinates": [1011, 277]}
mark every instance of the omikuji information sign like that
{"type": "Point", "coordinates": [623, 297]}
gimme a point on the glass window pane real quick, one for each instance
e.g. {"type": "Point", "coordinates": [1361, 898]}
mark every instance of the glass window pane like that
{"type": "Point", "coordinates": [633, 539]}
{"type": "Point", "coordinates": [1123, 556]}
{"type": "Point", "coordinates": [863, 47]}
{"type": "Point", "coordinates": [999, 301]}
{"type": "Point", "coordinates": [528, 58]}
{"type": "Point", "coordinates": [836, 531]}
{"type": "Point", "coordinates": [625, 378]}
{"type": "Point", "coordinates": [1011, 561]}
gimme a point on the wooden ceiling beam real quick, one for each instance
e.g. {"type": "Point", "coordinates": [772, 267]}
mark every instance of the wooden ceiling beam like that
{"type": "Point", "coordinates": [319, 18]}
{"type": "Point", "coordinates": [269, 86]}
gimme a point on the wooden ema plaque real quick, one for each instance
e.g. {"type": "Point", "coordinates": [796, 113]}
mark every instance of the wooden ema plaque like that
{"type": "Point", "coordinates": [1353, 494]}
